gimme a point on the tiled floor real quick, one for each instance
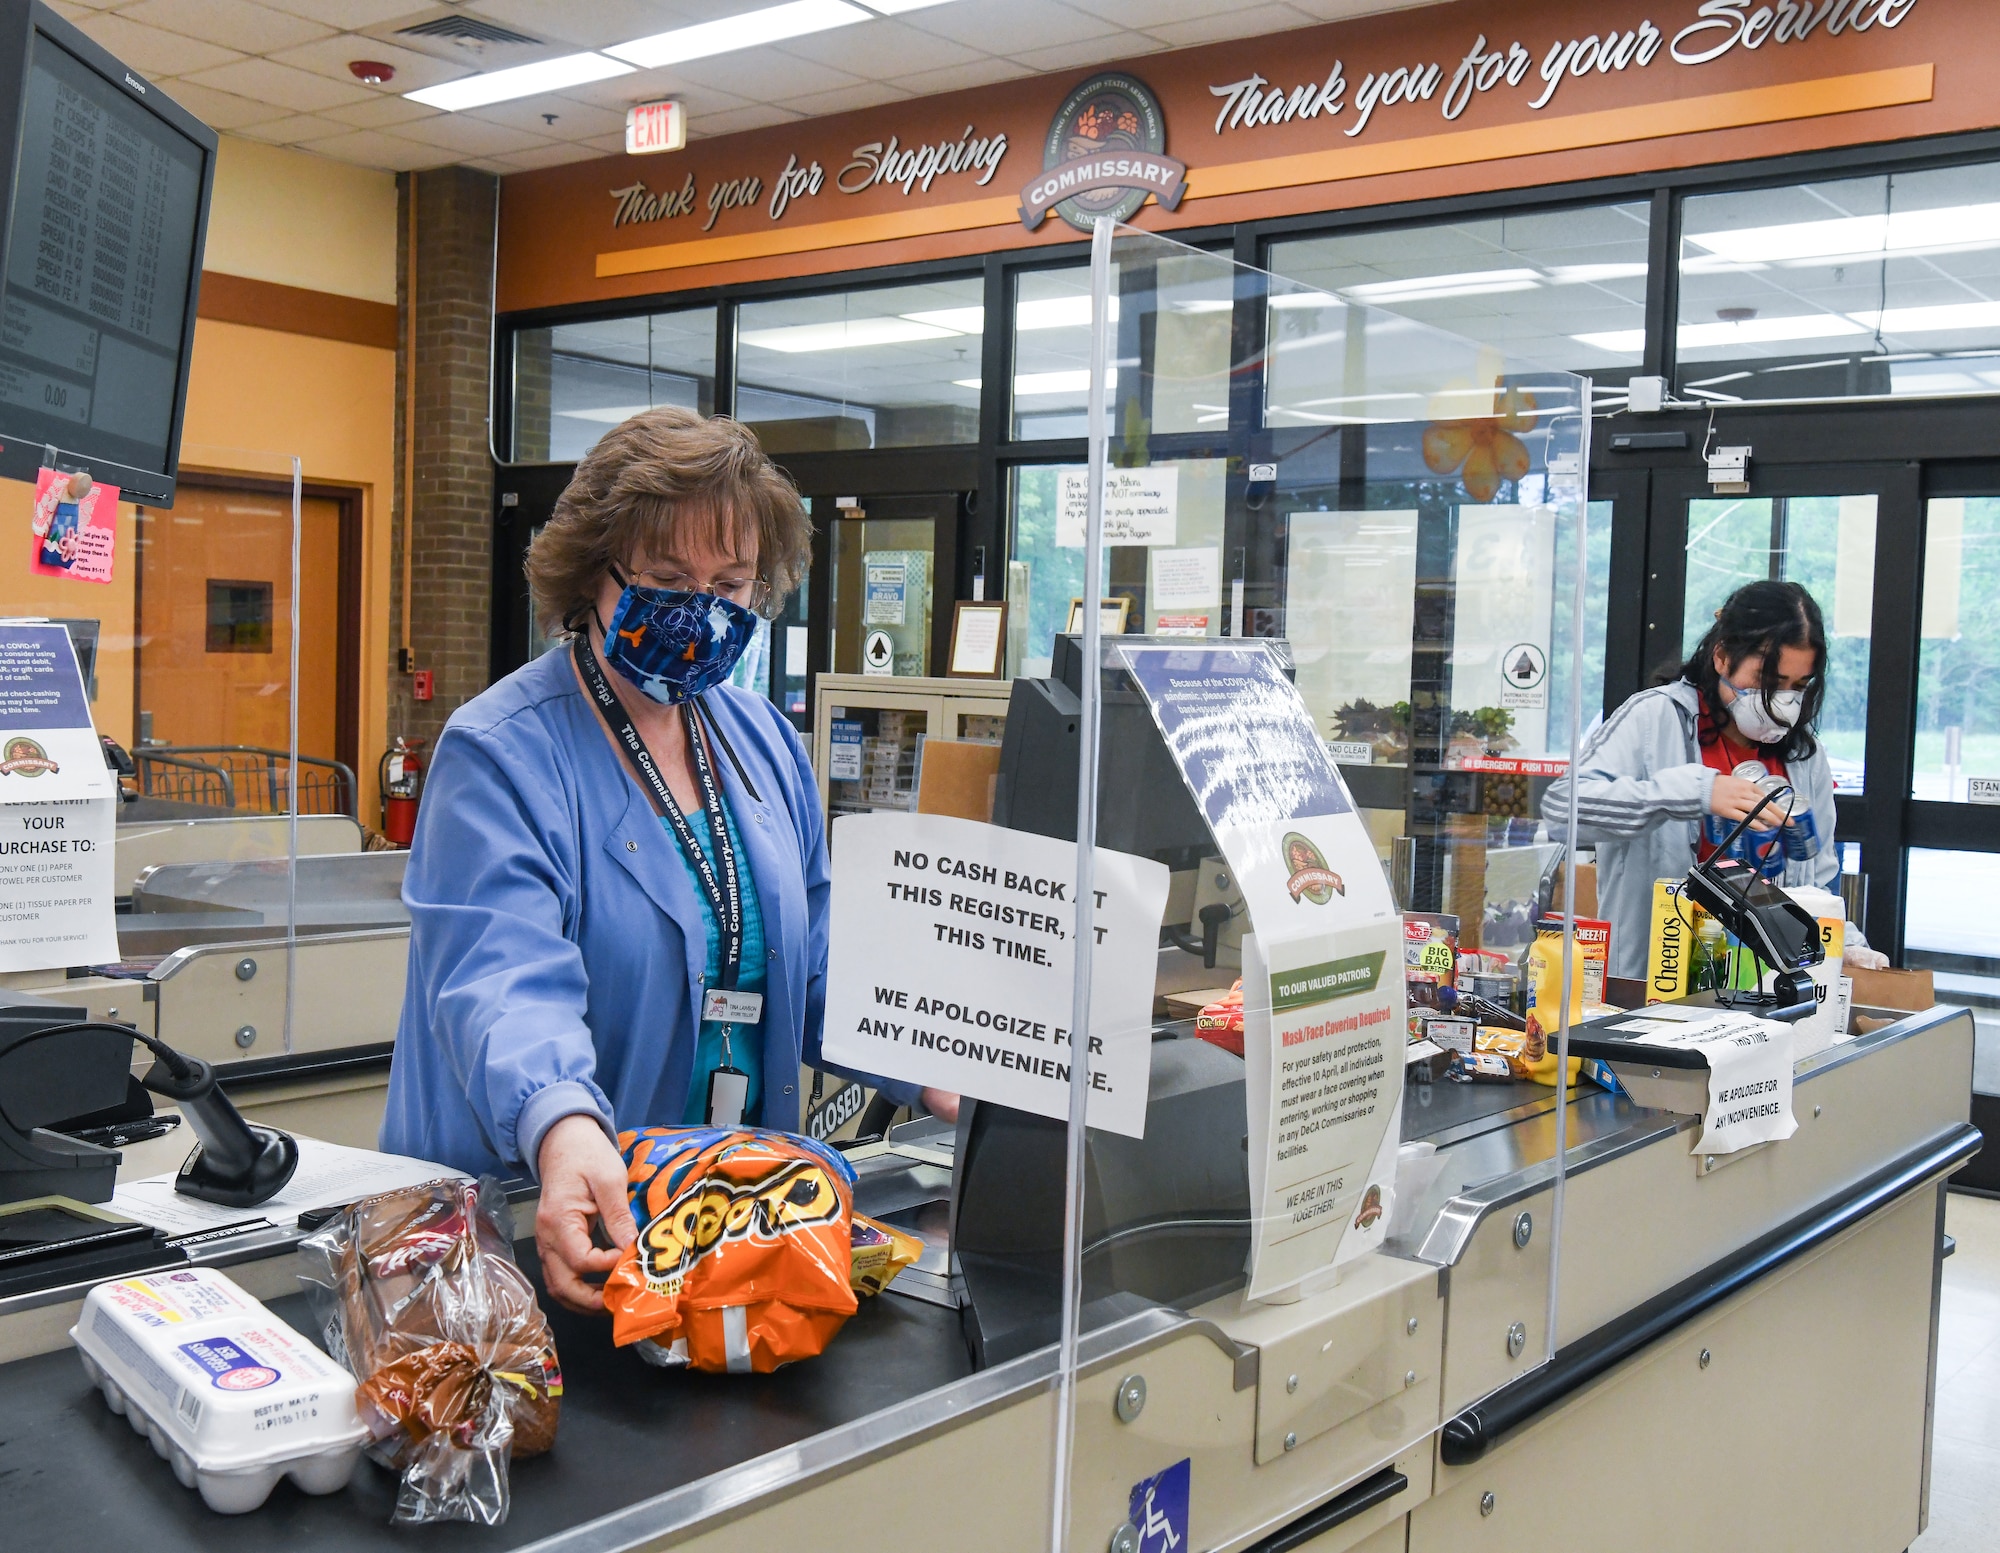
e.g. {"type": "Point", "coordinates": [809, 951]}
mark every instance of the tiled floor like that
{"type": "Point", "coordinates": [1965, 1455]}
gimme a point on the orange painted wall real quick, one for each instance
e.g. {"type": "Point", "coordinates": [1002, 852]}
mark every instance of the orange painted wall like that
{"type": "Point", "coordinates": [255, 397]}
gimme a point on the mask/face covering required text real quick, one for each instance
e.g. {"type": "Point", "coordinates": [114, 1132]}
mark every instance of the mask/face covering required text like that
{"type": "Point", "coordinates": [952, 958]}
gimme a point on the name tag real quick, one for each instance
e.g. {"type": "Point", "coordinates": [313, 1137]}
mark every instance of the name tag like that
{"type": "Point", "coordinates": [720, 1006]}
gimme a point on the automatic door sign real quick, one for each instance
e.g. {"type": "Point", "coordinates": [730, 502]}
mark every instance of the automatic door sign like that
{"type": "Point", "coordinates": [1525, 669]}
{"type": "Point", "coordinates": [878, 654]}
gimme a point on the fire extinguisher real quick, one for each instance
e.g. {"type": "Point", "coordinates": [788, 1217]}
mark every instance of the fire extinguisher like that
{"type": "Point", "coordinates": [402, 778]}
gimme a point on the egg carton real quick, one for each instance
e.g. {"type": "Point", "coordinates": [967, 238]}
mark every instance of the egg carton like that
{"type": "Point", "coordinates": [227, 1394]}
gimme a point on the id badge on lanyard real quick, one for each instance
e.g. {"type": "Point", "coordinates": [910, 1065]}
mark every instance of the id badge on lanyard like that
{"type": "Point", "coordinates": [728, 1085]}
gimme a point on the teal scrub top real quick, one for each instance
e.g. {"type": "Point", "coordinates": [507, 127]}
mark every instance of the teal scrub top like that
{"type": "Point", "coordinates": [746, 1042]}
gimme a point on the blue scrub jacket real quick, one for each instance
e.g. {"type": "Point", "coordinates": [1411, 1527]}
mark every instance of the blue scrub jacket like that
{"type": "Point", "coordinates": [556, 944]}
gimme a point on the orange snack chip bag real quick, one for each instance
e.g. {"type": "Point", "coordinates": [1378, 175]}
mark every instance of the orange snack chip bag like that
{"type": "Point", "coordinates": [745, 1250]}
{"type": "Point", "coordinates": [1221, 1022]}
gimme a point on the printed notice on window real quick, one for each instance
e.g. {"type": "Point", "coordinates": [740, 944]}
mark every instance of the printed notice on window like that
{"type": "Point", "coordinates": [56, 886]}
{"type": "Point", "coordinates": [952, 964]}
{"type": "Point", "coordinates": [1141, 506]}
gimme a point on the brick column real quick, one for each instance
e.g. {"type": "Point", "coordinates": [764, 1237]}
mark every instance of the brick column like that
{"type": "Point", "coordinates": [451, 538]}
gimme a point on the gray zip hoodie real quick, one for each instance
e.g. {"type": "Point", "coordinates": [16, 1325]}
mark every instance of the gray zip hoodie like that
{"type": "Point", "coordinates": [1642, 792]}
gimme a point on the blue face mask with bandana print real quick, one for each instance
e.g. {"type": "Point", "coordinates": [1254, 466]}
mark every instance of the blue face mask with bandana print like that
{"type": "Point", "coordinates": [674, 645]}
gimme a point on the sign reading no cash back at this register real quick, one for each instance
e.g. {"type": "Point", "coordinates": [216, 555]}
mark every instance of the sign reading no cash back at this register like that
{"type": "Point", "coordinates": [951, 964]}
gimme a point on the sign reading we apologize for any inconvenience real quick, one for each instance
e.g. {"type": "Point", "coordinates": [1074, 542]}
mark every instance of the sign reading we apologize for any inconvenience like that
{"type": "Point", "coordinates": [951, 964]}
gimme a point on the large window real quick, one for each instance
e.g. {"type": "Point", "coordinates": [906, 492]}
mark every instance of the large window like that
{"type": "Point", "coordinates": [1565, 288]}
{"type": "Point", "coordinates": [1888, 284]}
{"type": "Point", "coordinates": [892, 367]}
{"type": "Point", "coordinates": [574, 382]}
{"type": "Point", "coordinates": [1957, 756]}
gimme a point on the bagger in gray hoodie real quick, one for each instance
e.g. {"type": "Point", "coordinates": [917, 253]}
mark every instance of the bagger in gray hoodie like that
{"type": "Point", "coordinates": [1642, 793]}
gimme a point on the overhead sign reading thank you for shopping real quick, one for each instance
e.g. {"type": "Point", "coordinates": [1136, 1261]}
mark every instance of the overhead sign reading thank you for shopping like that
{"type": "Point", "coordinates": [1105, 152]}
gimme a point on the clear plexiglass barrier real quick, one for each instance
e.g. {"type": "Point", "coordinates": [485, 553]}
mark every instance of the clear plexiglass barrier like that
{"type": "Point", "coordinates": [184, 840]}
{"type": "Point", "coordinates": [1334, 620]}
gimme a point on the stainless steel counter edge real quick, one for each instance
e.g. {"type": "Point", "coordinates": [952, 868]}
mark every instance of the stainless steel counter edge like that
{"type": "Point", "coordinates": [1451, 1232]}
{"type": "Point", "coordinates": [180, 958]}
{"type": "Point", "coordinates": [725, 1496]}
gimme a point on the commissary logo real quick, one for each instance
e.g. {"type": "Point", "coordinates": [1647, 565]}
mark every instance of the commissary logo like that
{"type": "Point", "coordinates": [24, 757]}
{"type": "Point", "coordinates": [1106, 151]}
{"type": "Point", "coordinates": [1311, 879]}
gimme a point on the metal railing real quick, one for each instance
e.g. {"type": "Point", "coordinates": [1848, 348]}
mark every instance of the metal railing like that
{"type": "Point", "coordinates": [252, 780]}
{"type": "Point", "coordinates": [163, 775]}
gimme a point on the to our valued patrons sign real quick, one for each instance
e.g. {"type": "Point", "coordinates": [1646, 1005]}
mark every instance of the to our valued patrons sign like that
{"type": "Point", "coordinates": [952, 959]}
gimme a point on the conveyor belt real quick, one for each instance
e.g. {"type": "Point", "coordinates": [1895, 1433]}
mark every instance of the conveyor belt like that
{"type": "Point", "coordinates": [80, 1478]}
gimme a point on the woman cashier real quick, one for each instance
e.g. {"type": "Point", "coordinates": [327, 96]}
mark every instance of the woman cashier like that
{"type": "Point", "coordinates": [1666, 778]}
{"type": "Point", "coordinates": [618, 886]}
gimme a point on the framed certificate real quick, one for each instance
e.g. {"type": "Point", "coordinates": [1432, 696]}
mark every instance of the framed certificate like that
{"type": "Point", "coordinates": [1113, 617]}
{"type": "Point", "coordinates": [978, 640]}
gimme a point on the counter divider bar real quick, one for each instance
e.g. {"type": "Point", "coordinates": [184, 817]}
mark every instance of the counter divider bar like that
{"type": "Point", "coordinates": [1467, 1437]}
{"type": "Point", "coordinates": [725, 1496]}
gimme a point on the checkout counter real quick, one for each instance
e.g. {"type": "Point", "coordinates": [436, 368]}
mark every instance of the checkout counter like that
{"type": "Point", "coordinates": [1712, 1320]}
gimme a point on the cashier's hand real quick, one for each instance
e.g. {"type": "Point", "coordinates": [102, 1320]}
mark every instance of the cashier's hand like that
{"type": "Point", "coordinates": [1735, 796]}
{"type": "Point", "coordinates": [1859, 957]}
{"type": "Point", "coordinates": [941, 1103]}
{"type": "Point", "coordinates": [583, 1178]}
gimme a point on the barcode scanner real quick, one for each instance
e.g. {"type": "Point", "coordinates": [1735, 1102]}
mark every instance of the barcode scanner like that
{"type": "Point", "coordinates": [235, 1164]}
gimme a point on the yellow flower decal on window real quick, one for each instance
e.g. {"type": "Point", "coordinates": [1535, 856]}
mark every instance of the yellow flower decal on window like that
{"type": "Point", "coordinates": [1483, 450]}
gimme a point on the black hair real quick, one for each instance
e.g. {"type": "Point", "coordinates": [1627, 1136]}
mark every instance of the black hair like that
{"type": "Point", "coordinates": [1759, 619]}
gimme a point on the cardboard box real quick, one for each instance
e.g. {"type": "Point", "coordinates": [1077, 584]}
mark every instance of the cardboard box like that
{"type": "Point", "coordinates": [1904, 991]}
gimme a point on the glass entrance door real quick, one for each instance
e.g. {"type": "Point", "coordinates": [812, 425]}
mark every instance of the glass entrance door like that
{"type": "Point", "coordinates": [888, 582]}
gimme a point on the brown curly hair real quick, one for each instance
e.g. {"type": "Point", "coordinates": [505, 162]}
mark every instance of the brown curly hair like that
{"type": "Point", "coordinates": [640, 488]}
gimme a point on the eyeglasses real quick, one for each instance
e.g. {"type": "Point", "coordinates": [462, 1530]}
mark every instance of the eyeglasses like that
{"type": "Point", "coordinates": [752, 593]}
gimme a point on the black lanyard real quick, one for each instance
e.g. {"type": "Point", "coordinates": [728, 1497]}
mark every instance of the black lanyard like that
{"type": "Point", "coordinates": [725, 894]}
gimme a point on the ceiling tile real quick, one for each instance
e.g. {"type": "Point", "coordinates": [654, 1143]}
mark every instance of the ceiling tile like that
{"type": "Point", "coordinates": [756, 116]}
{"type": "Point", "coordinates": [373, 148]}
{"type": "Point", "coordinates": [574, 120]}
{"type": "Point", "coordinates": [220, 110]}
{"type": "Point", "coordinates": [350, 15]}
{"type": "Point", "coordinates": [544, 156]}
{"type": "Point", "coordinates": [1011, 29]}
{"type": "Point", "coordinates": [621, 92]}
{"type": "Point", "coordinates": [877, 49]}
{"type": "Point", "coordinates": [268, 81]}
{"type": "Point", "coordinates": [239, 24]}
{"type": "Point", "coordinates": [295, 129]}
{"type": "Point", "coordinates": [1248, 22]}
{"type": "Point", "coordinates": [959, 78]}
{"type": "Point", "coordinates": [1150, 15]}
{"type": "Point", "coordinates": [380, 112]}
{"type": "Point", "coordinates": [151, 51]}
{"type": "Point", "coordinates": [1095, 51]}
{"type": "Point", "coordinates": [330, 57]}
{"type": "Point", "coordinates": [600, 22]}
{"type": "Point", "coordinates": [1342, 10]}
{"type": "Point", "coordinates": [758, 76]}
{"type": "Point", "coordinates": [867, 94]}
{"type": "Point", "coordinates": [72, 7]}
{"type": "Point", "coordinates": [469, 136]}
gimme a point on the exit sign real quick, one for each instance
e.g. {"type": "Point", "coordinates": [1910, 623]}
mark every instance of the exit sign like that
{"type": "Point", "coordinates": [655, 126]}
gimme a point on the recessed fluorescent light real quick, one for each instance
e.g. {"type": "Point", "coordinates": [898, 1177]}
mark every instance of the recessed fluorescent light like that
{"type": "Point", "coordinates": [610, 414]}
{"type": "Point", "coordinates": [1077, 382]}
{"type": "Point", "coordinates": [960, 320]}
{"type": "Point", "coordinates": [1305, 299]}
{"type": "Point", "coordinates": [1858, 237]}
{"type": "Point", "coordinates": [730, 33]}
{"type": "Point", "coordinates": [843, 334]}
{"type": "Point", "coordinates": [1750, 331]}
{"type": "Point", "coordinates": [1057, 313]}
{"type": "Point", "coordinates": [1921, 320]}
{"type": "Point", "coordinates": [547, 75]}
{"type": "Point", "coordinates": [1589, 274]}
{"type": "Point", "coordinates": [1470, 283]}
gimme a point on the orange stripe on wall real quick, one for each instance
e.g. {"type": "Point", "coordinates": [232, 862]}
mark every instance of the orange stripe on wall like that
{"type": "Point", "coordinates": [325, 315]}
{"type": "Point", "coordinates": [1580, 131]}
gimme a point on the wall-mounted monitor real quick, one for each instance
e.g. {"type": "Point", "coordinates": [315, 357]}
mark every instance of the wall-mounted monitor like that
{"type": "Point", "coordinates": [102, 224]}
